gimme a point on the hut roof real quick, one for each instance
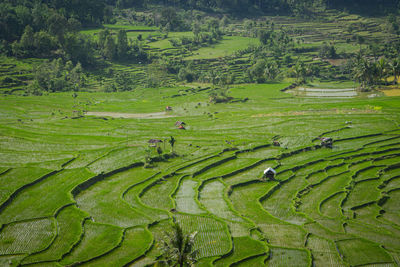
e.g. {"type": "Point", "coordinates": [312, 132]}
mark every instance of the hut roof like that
{"type": "Point", "coordinates": [269, 170]}
{"type": "Point", "coordinates": [179, 123]}
{"type": "Point", "coordinates": [154, 141]}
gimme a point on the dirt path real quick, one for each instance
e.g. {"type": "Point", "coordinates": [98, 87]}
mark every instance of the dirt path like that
{"type": "Point", "coordinates": [155, 115]}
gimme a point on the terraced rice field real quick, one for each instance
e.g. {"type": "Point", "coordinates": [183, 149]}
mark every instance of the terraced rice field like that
{"type": "Point", "coordinates": [327, 92]}
{"type": "Point", "coordinates": [75, 191]}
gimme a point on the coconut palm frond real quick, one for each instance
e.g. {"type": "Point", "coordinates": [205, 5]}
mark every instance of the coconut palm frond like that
{"type": "Point", "coordinates": [177, 248]}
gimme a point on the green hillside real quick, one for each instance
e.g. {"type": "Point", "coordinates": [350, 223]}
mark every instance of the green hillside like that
{"type": "Point", "coordinates": [126, 124]}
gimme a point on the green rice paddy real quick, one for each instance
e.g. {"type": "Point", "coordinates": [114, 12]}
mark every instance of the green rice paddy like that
{"type": "Point", "coordinates": [90, 190]}
{"type": "Point", "coordinates": [74, 190]}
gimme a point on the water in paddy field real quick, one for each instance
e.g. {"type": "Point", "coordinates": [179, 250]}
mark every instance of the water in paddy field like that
{"type": "Point", "coordinates": [334, 93]}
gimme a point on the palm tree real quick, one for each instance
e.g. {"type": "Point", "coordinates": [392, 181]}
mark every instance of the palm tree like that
{"type": "Point", "coordinates": [172, 143]}
{"type": "Point", "coordinates": [271, 70]}
{"type": "Point", "coordinates": [300, 72]}
{"type": "Point", "coordinates": [361, 72]}
{"type": "Point", "coordinates": [360, 40]}
{"type": "Point", "coordinates": [177, 248]}
{"type": "Point", "coordinates": [395, 68]}
{"type": "Point", "coordinates": [383, 69]}
{"type": "Point", "coordinates": [369, 73]}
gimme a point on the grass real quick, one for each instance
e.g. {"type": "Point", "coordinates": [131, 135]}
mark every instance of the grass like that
{"type": "Point", "coordinates": [130, 27]}
{"type": "Point", "coordinates": [311, 211]}
{"type": "Point", "coordinates": [28, 204]}
{"type": "Point", "coordinates": [26, 237]}
{"type": "Point", "coordinates": [280, 203]}
{"type": "Point", "coordinates": [69, 231]}
{"type": "Point", "coordinates": [284, 235]}
{"type": "Point", "coordinates": [201, 165]}
{"type": "Point", "coordinates": [321, 229]}
{"type": "Point", "coordinates": [185, 197]}
{"type": "Point", "coordinates": [135, 243]}
{"type": "Point", "coordinates": [363, 192]}
{"type": "Point", "coordinates": [249, 175]}
{"type": "Point", "coordinates": [393, 184]}
{"type": "Point", "coordinates": [137, 197]}
{"type": "Point", "coordinates": [131, 196]}
{"type": "Point", "coordinates": [213, 199]}
{"type": "Point", "coordinates": [226, 168]}
{"type": "Point", "coordinates": [212, 238]}
{"type": "Point", "coordinates": [390, 205]}
{"type": "Point", "coordinates": [15, 178]}
{"type": "Point", "coordinates": [324, 252]}
{"type": "Point", "coordinates": [381, 236]}
{"type": "Point", "coordinates": [96, 201]}
{"type": "Point", "coordinates": [288, 257]}
{"type": "Point", "coordinates": [245, 200]}
{"type": "Point", "coordinates": [226, 47]}
{"type": "Point", "coordinates": [366, 252]}
{"type": "Point", "coordinates": [311, 201]}
{"type": "Point", "coordinates": [12, 260]}
{"type": "Point", "coordinates": [244, 247]}
{"type": "Point", "coordinates": [153, 198]}
{"type": "Point", "coordinates": [331, 206]}
{"type": "Point", "coordinates": [166, 44]}
{"type": "Point", "coordinates": [98, 239]}
{"type": "Point", "coordinates": [116, 159]}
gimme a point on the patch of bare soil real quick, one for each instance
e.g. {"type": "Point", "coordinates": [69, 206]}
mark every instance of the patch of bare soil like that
{"type": "Point", "coordinates": [337, 62]}
{"type": "Point", "coordinates": [154, 115]}
{"type": "Point", "coordinates": [391, 92]}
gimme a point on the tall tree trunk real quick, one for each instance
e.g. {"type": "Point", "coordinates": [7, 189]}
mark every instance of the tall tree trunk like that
{"type": "Point", "coordinates": [180, 260]}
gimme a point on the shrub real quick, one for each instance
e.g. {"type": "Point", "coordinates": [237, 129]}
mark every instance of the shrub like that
{"type": "Point", "coordinates": [186, 75]}
{"type": "Point", "coordinates": [55, 76]}
{"type": "Point", "coordinates": [327, 51]}
{"type": "Point", "coordinates": [219, 95]}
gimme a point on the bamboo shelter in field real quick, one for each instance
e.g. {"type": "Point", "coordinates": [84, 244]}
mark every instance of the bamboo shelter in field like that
{"type": "Point", "coordinates": [269, 173]}
{"type": "Point", "coordinates": [154, 142]}
{"type": "Point", "coordinates": [326, 141]}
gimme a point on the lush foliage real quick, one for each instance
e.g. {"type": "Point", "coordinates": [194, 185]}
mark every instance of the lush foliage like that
{"type": "Point", "coordinates": [54, 76]}
{"type": "Point", "coordinates": [182, 106]}
{"type": "Point", "coordinates": [177, 248]}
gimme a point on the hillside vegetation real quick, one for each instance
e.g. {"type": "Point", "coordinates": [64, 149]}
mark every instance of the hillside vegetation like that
{"type": "Point", "coordinates": [120, 118]}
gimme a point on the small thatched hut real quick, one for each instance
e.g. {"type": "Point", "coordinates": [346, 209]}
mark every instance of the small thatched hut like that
{"type": "Point", "coordinates": [326, 142]}
{"type": "Point", "coordinates": [154, 142]}
{"type": "Point", "coordinates": [276, 143]}
{"type": "Point", "coordinates": [269, 173]}
{"type": "Point", "coordinates": [179, 123]}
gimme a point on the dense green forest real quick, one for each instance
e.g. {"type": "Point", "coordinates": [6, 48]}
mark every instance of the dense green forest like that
{"type": "Point", "coordinates": [53, 30]}
{"type": "Point", "coordinates": [60, 17]}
